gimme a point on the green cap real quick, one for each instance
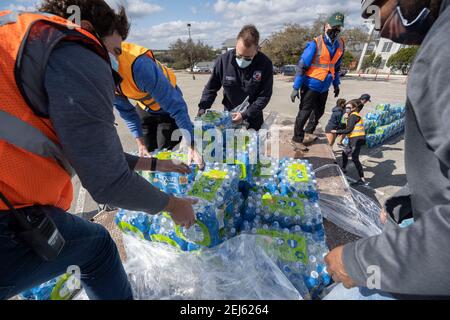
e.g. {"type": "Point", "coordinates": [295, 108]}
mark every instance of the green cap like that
{"type": "Point", "coordinates": [336, 19]}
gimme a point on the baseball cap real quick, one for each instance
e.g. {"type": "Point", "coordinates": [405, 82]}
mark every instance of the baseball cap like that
{"type": "Point", "coordinates": [366, 97]}
{"type": "Point", "coordinates": [336, 20]}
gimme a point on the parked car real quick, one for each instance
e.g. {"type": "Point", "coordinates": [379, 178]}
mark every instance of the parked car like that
{"type": "Point", "coordinates": [289, 70]}
{"type": "Point", "coordinates": [201, 69]}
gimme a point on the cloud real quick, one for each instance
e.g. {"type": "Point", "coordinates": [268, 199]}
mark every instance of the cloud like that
{"type": "Point", "coordinates": [162, 35]}
{"type": "Point", "coordinates": [272, 15]}
{"type": "Point", "coordinates": [23, 5]}
{"type": "Point", "coordinates": [136, 8]}
{"type": "Point", "coordinates": [141, 8]}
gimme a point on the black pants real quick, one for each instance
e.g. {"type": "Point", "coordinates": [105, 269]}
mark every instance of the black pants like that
{"type": "Point", "coordinates": [158, 130]}
{"type": "Point", "coordinates": [354, 150]}
{"type": "Point", "coordinates": [312, 107]}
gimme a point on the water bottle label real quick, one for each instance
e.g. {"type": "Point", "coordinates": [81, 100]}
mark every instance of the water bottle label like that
{"type": "Point", "coordinates": [287, 247]}
{"type": "Point", "coordinates": [284, 205]}
{"type": "Point", "coordinates": [199, 227]}
{"type": "Point", "coordinates": [61, 291]}
{"type": "Point", "coordinates": [243, 169]}
{"type": "Point", "coordinates": [130, 229]}
{"type": "Point", "coordinates": [167, 240]}
{"type": "Point", "coordinates": [297, 172]}
{"type": "Point", "coordinates": [207, 185]}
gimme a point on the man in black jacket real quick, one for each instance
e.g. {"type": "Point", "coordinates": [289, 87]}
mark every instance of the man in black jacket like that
{"type": "Point", "coordinates": [242, 72]}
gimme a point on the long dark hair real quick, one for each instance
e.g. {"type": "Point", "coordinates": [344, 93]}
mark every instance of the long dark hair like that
{"type": "Point", "coordinates": [356, 104]}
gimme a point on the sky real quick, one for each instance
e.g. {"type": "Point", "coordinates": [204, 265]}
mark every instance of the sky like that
{"type": "Point", "coordinates": [157, 23]}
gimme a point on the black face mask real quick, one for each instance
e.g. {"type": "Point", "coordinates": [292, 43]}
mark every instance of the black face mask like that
{"type": "Point", "coordinates": [399, 30]}
{"type": "Point", "coordinates": [333, 34]}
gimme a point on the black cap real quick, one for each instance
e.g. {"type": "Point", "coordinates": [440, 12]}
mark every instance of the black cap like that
{"type": "Point", "coordinates": [366, 97]}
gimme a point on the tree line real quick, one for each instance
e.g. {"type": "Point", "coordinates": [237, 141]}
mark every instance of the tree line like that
{"type": "Point", "coordinates": [284, 48]}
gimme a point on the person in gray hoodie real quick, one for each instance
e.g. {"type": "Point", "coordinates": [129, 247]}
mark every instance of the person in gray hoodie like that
{"type": "Point", "coordinates": [413, 261]}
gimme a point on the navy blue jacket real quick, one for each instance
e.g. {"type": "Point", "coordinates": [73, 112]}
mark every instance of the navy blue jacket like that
{"type": "Point", "coordinates": [255, 81]}
{"type": "Point", "coordinates": [335, 120]}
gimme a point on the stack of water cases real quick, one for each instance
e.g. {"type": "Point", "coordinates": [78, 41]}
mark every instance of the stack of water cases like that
{"type": "Point", "coordinates": [170, 182]}
{"type": "Point", "coordinates": [283, 204]}
{"type": "Point", "coordinates": [274, 198]}
{"type": "Point", "coordinates": [383, 124]}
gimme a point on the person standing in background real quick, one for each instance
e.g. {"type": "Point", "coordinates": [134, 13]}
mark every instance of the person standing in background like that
{"type": "Point", "coordinates": [317, 70]}
{"type": "Point", "coordinates": [244, 72]}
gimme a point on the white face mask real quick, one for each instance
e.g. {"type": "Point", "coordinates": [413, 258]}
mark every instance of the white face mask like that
{"type": "Point", "coordinates": [114, 62]}
{"type": "Point", "coordinates": [242, 63]}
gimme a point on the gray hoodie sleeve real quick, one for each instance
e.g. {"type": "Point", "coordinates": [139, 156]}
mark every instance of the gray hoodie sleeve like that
{"type": "Point", "coordinates": [416, 260]}
{"type": "Point", "coordinates": [80, 91]}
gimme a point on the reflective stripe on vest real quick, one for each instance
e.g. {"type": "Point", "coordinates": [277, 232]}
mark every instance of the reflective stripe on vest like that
{"type": "Point", "coordinates": [22, 135]}
{"type": "Point", "coordinates": [316, 60]}
{"type": "Point", "coordinates": [359, 130]}
{"type": "Point", "coordinates": [323, 63]}
{"type": "Point", "coordinates": [33, 168]}
{"type": "Point", "coordinates": [10, 17]}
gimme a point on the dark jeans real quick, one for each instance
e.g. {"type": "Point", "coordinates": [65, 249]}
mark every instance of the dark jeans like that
{"type": "Point", "coordinates": [354, 150]}
{"type": "Point", "coordinates": [158, 130]}
{"type": "Point", "coordinates": [312, 107]}
{"type": "Point", "coordinates": [88, 246]}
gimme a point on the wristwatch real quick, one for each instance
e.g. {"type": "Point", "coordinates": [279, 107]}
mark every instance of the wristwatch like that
{"type": "Point", "coordinates": [153, 164]}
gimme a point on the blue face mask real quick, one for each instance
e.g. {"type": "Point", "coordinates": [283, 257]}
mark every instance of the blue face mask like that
{"type": "Point", "coordinates": [114, 62]}
{"type": "Point", "coordinates": [242, 63]}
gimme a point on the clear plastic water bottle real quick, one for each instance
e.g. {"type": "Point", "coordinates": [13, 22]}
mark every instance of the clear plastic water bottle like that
{"type": "Point", "coordinates": [194, 234]}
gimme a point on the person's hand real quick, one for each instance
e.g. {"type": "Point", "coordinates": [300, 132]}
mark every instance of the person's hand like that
{"type": "Point", "coordinates": [201, 112]}
{"type": "Point", "coordinates": [195, 157]}
{"type": "Point", "coordinates": [294, 95]}
{"type": "Point", "coordinates": [336, 269]}
{"type": "Point", "coordinates": [172, 166]}
{"type": "Point", "coordinates": [142, 149]}
{"type": "Point", "coordinates": [337, 91]}
{"type": "Point", "coordinates": [237, 117]}
{"type": "Point", "coordinates": [181, 211]}
{"type": "Point", "coordinates": [383, 216]}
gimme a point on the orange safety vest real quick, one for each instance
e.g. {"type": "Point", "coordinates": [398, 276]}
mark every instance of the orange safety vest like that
{"type": "Point", "coordinates": [33, 168]}
{"type": "Point", "coordinates": [128, 87]}
{"type": "Point", "coordinates": [322, 63]}
{"type": "Point", "coordinates": [359, 130]}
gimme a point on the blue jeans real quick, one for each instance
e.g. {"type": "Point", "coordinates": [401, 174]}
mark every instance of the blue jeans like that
{"type": "Point", "coordinates": [341, 293]}
{"type": "Point", "coordinates": [88, 246]}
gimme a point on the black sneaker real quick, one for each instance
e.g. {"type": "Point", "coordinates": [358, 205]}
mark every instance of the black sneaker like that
{"type": "Point", "coordinates": [361, 182]}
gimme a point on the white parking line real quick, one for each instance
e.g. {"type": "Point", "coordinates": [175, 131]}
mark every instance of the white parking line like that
{"type": "Point", "coordinates": [81, 200]}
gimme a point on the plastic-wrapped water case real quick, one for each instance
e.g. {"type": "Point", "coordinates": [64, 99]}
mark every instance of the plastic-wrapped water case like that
{"type": "Point", "coordinates": [298, 254]}
{"type": "Point", "coordinates": [64, 287]}
{"type": "Point", "coordinates": [297, 177]}
{"type": "Point", "coordinates": [349, 209]}
{"type": "Point", "coordinates": [218, 183]}
{"type": "Point", "coordinates": [170, 182]}
{"type": "Point", "coordinates": [134, 223]}
{"type": "Point", "coordinates": [238, 269]}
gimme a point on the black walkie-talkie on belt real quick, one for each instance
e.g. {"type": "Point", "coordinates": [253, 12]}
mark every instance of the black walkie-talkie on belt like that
{"type": "Point", "coordinates": [37, 230]}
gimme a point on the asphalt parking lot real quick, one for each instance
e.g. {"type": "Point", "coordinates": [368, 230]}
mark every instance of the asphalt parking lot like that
{"type": "Point", "coordinates": [384, 165]}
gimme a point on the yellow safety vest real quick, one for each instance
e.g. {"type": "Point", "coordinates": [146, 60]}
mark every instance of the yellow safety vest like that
{"type": "Point", "coordinates": [128, 87]}
{"type": "Point", "coordinates": [359, 130]}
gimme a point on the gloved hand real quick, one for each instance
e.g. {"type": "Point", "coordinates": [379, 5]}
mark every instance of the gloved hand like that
{"type": "Point", "coordinates": [201, 112]}
{"type": "Point", "coordinates": [295, 94]}
{"type": "Point", "coordinates": [337, 91]}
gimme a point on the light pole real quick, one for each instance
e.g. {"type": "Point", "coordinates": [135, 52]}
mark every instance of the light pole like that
{"type": "Point", "coordinates": [366, 45]}
{"type": "Point", "coordinates": [190, 51]}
